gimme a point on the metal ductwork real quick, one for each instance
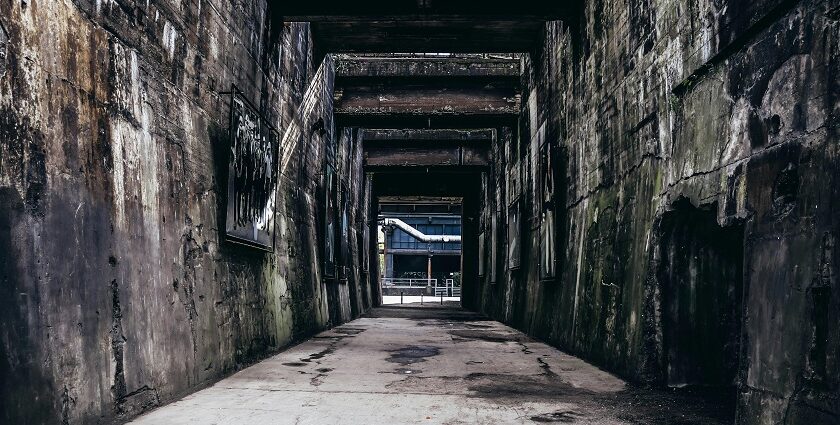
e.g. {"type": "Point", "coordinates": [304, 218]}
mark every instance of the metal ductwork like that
{"type": "Point", "coordinates": [420, 236]}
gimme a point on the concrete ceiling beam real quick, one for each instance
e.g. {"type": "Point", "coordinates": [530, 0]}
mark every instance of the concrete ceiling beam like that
{"type": "Point", "coordinates": [420, 136]}
{"type": "Point", "coordinates": [329, 10]}
{"type": "Point", "coordinates": [366, 67]}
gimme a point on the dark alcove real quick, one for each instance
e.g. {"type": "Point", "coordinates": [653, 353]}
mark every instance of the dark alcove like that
{"type": "Point", "coordinates": [701, 278]}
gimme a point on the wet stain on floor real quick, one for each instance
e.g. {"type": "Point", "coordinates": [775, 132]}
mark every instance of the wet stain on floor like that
{"type": "Point", "coordinates": [504, 387]}
{"type": "Point", "coordinates": [340, 332]}
{"type": "Point", "coordinates": [489, 336]}
{"type": "Point", "coordinates": [641, 406]}
{"type": "Point", "coordinates": [412, 354]}
{"type": "Point", "coordinates": [344, 330]}
{"type": "Point", "coordinates": [403, 371]}
{"type": "Point", "coordinates": [323, 353]}
{"type": "Point", "coordinates": [561, 416]}
{"type": "Point", "coordinates": [432, 384]}
{"type": "Point", "coordinates": [477, 326]}
{"type": "Point", "coordinates": [439, 323]}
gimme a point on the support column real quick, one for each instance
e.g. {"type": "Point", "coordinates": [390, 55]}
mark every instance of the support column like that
{"type": "Point", "coordinates": [429, 272]}
{"type": "Point", "coordinates": [384, 253]}
{"type": "Point", "coordinates": [389, 258]}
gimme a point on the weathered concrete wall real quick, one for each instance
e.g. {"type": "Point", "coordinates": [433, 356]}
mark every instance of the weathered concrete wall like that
{"type": "Point", "coordinates": [117, 290]}
{"type": "Point", "coordinates": [731, 106]}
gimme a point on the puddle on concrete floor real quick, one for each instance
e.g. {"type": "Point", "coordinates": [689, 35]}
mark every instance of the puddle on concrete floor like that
{"type": "Point", "coordinates": [412, 354]}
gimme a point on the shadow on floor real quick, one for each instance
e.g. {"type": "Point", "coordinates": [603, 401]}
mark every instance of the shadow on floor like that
{"type": "Point", "coordinates": [635, 404]}
{"type": "Point", "coordinates": [435, 364]}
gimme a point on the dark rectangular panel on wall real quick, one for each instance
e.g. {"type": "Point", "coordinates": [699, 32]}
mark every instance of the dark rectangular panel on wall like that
{"type": "Point", "coordinates": [252, 175]}
{"type": "Point", "coordinates": [494, 246]}
{"type": "Point", "coordinates": [514, 239]}
{"type": "Point", "coordinates": [548, 253]}
{"type": "Point", "coordinates": [344, 238]}
{"type": "Point", "coordinates": [534, 177]}
{"type": "Point", "coordinates": [512, 177]}
{"type": "Point", "coordinates": [481, 260]}
{"type": "Point", "coordinates": [330, 221]}
{"type": "Point", "coordinates": [549, 177]}
{"type": "Point", "coordinates": [365, 252]}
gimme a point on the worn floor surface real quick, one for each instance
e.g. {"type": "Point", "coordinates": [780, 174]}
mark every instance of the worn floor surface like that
{"type": "Point", "coordinates": [430, 365]}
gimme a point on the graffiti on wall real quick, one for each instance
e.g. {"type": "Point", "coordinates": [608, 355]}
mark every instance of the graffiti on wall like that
{"type": "Point", "coordinates": [252, 175]}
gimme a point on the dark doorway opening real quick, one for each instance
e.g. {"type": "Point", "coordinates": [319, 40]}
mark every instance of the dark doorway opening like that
{"type": "Point", "coordinates": [446, 266]}
{"type": "Point", "coordinates": [409, 266]}
{"type": "Point", "coordinates": [701, 278]}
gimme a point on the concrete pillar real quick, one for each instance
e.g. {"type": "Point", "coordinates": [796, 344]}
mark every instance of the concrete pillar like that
{"type": "Point", "coordinates": [389, 258]}
{"type": "Point", "coordinates": [429, 271]}
{"type": "Point", "coordinates": [385, 254]}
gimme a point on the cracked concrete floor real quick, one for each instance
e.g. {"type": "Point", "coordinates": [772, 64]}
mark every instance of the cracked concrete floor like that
{"type": "Point", "coordinates": [431, 365]}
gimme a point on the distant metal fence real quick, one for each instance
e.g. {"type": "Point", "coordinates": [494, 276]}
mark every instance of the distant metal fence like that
{"type": "Point", "coordinates": [448, 288]}
{"type": "Point", "coordinates": [404, 282]}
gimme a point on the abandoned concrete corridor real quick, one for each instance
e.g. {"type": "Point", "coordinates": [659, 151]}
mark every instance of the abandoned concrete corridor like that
{"type": "Point", "coordinates": [430, 365]}
{"type": "Point", "coordinates": [207, 206]}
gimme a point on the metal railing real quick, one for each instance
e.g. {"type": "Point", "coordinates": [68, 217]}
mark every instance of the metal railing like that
{"type": "Point", "coordinates": [417, 282]}
{"type": "Point", "coordinates": [446, 289]}
{"type": "Point", "coordinates": [404, 282]}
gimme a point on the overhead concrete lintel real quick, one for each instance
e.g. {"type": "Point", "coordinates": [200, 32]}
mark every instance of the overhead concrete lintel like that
{"type": "Point", "coordinates": [421, 135]}
{"type": "Point", "coordinates": [342, 10]}
{"type": "Point", "coordinates": [427, 101]}
{"type": "Point", "coordinates": [426, 121]}
{"type": "Point", "coordinates": [414, 67]}
{"type": "Point", "coordinates": [444, 156]}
